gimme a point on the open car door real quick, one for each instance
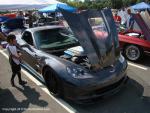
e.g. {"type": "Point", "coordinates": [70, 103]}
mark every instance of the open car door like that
{"type": "Point", "coordinates": [97, 34]}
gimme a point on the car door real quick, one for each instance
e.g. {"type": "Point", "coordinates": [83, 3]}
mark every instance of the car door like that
{"type": "Point", "coordinates": [97, 34]}
{"type": "Point", "coordinates": [28, 51]}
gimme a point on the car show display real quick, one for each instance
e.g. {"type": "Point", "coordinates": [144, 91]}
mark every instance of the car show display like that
{"type": "Point", "coordinates": [75, 56]}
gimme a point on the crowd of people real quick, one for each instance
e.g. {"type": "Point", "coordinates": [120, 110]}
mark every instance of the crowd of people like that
{"type": "Point", "coordinates": [124, 17]}
{"type": "Point", "coordinates": [33, 16]}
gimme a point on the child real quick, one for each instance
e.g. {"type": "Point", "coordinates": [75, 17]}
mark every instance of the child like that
{"type": "Point", "coordinates": [14, 59]}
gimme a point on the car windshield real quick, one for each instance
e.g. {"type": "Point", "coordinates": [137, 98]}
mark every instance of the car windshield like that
{"type": "Point", "coordinates": [54, 38]}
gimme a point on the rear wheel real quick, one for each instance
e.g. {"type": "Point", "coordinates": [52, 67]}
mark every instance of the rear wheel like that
{"type": "Point", "coordinates": [52, 82]}
{"type": "Point", "coordinates": [133, 52]}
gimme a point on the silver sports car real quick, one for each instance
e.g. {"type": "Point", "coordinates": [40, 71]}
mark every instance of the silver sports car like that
{"type": "Point", "coordinates": [78, 63]}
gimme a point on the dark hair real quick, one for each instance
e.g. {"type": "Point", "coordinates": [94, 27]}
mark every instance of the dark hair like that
{"type": "Point", "coordinates": [128, 11]}
{"type": "Point", "coordinates": [11, 37]}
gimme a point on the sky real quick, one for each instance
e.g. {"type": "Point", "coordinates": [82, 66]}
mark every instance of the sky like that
{"type": "Point", "coordinates": [37, 2]}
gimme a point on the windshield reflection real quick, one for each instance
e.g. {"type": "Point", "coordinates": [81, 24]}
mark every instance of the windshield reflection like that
{"type": "Point", "coordinates": [53, 38]}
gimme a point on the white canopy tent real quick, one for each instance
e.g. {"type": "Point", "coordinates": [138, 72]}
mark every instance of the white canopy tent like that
{"type": "Point", "coordinates": [25, 4]}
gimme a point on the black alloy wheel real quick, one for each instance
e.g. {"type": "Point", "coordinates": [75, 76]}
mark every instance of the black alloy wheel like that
{"type": "Point", "coordinates": [51, 82]}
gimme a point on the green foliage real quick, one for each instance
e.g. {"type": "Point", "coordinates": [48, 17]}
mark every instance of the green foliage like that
{"type": "Point", "coordinates": [138, 1]}
{"type": "Point", "coordinates": [99, 4]}
{"type": "Point", "coordinates": [4, 12]}
{"type": "Point", "coordinates": [64, 1]}
{"type": "Point", "coordinates": [117, 4]}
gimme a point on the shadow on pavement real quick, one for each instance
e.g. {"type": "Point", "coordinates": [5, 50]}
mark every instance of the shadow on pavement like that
{"type": "Point", "coordinates": [129, 100]}
{"type": "Point", "coordinates": [144, 61]}
{"type": "Point", "coordinates": [9, 103]}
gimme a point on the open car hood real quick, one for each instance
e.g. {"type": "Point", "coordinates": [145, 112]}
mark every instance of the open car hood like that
{"type": "Point", "coordinates": [143, 26]}
{"type": "Point", "coordinates": [96, 32]}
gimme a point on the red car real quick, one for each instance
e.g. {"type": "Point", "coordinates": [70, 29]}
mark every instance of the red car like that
{"type": "Point", "coordinates": [135, 43]}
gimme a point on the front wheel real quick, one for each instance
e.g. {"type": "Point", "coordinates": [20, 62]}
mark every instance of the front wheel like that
{"type": "Point", "coordinates": [133, 52]}
{"type": "Point", "coordinates": [51, 82]}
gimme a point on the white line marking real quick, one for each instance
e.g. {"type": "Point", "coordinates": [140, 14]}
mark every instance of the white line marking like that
{"type": "Point", "coordinates": [65, 105]}
{"type": "Point", "coordinates": [137, 66]}
{"type": "Point", "coordinates": [59, 101]}
{"type": "Point", "coordinates": [2, 52]}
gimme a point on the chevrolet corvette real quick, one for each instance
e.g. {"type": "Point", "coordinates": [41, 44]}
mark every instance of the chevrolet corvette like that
{"type": "Point", "coordinates": [80, 63]}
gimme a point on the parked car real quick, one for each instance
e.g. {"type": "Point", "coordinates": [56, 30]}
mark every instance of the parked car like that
{"type": "Point", "coordinates": [135, 43]}
{"type": "Point", "coordinates": [2, 19]}
{"type": "Point", "coordinates": [76, 65]}
{"type": "Point", "coordinates": [12, 24]}
{"type": "Point", "coordinates": [45, 21]}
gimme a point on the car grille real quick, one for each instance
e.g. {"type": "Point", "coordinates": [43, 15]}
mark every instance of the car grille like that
{"type": "Point", "coordinates": [109, 88]}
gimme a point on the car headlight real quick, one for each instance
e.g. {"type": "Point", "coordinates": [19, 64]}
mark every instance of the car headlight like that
{"type": "Point", "coordinates": [121, 58]}
{"type": "Point", "coordinates": [78, 73]}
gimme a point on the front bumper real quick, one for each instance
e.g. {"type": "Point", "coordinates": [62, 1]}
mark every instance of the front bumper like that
{"type": "Point", "coordinates": [99, 88]}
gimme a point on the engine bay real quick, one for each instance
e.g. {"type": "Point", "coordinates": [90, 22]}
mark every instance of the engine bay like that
{"type": "Point", "coordinates": [135, 34]}
{"type": "Point", "coordinates": [77, 55]}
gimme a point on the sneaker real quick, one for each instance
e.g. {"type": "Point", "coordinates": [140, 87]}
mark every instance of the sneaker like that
{"type": "Point", "coordinates": [12, 83]}
{"type": "Point", "coordinates": [22, 82]}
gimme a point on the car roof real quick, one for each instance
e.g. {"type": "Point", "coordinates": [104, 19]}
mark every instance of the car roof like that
{"type": "Point", "coordinates": [43, 28]}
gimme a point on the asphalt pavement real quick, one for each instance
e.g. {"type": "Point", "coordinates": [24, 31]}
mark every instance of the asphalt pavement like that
{"type": "Point", "coordinates": [134, 97]}
{"type": "Point", "coordinates": [24, 99]}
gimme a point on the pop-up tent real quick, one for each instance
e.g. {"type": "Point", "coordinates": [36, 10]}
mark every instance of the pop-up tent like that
{"type": "Point", "coordinates": [25, 4]}
{"type": "Point", "coordinates": [141, 6]}
{"type": "Point", "coordinates": [55, 8]}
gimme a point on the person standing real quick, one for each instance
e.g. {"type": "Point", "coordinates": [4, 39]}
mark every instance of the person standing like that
{"type": "Point", "coordinates": [130, 20]}
{"type": "Point", "coordinates": [20, 15]}
{"type": "Point", "coordinates": [14, 59]}
{"type": "Point", "coordinates": [30, 19]}
{"type": "Point", "coordinates": [117, 18]}
{"type": "Point", "coordinates": [123, 14]}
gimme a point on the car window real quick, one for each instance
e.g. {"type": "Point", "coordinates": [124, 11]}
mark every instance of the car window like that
{"type": "Point", "coordinates": [41, 20]}
{"type": "Point", "coordinates": [49, 19]}
{"type": "Point", "coordinates": [27, 37]}
{"type": "Point", "coordinates": [54, 38]}
{"type": "Point", "coordinates": [45, 20]}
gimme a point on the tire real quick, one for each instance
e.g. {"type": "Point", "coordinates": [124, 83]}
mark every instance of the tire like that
{"type": "Point", "coordinates": [133, 52]}
{"type": "Point", "coordinates": [52, 82]}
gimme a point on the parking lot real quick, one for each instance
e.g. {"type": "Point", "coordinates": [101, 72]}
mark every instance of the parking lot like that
{"type": "Point", "coordinates": [34, 97]}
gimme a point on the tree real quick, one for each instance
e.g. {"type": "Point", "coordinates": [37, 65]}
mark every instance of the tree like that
{"type": "Point", "coordinates": [117, 4]}
{"type": "Point", "coordinates": [133, 2]}
{"type": "Point", "coordinates": [64, 1]}
{"type": "Point", "coordinates": [138, 1]}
